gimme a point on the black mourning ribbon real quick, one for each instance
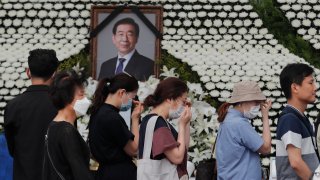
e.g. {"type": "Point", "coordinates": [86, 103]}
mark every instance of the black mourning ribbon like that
{"type": "Point", "coordinates": [116, 12]}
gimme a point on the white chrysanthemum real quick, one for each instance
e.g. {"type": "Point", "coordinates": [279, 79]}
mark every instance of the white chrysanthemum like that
{"type": "Point", "coordinates": [285, 7]}
{"type": "Point", "coordinates": [296, 23]}
{"type": "Point", "coordinates": [196, 22]}
{"type": "Point", "coordinates": [253, 31]}
{"type": "Point", "coordinates": [300, 15]}
{"type": "Point", "coordinates": [20, 83]}
{"type": "Point", "coordinates": [306, 7]}
{"type": "Point", "coordinates": [306, 22]}
{"type": "Point", "coordinates": [85, 14]}
{"type": "Point", "coordinates": [214, 93]}
{"type": "Point", "coordinates": [233, 15]}
{"type": "Point", "coordinates": [172, 14]}
{"type": "Point", "coordinates": [9, 84]}
{"type": "Point", "coordinates": [205, 78]}
{"type": "Point", "coordinates": [210, 85]}
{"type": "Point", "coordinates": [79, 22]}
{"type": "Point", "coordinates": [32, 13]}
{"type": "Point", "coordinates": [217, 22]}
{"type": "Point", "coordinates": [242, 31]}
{"type": "Point", "coordinates": [202, 14]}
{"type": "Point", "coordinates": [7, 22]}
{"type": "Point", "coordinates": [237, 7]}
{"type": "Point", "coordinates": [243, 14]}
{"type": "Point", "coordinates": [253, 15]}
{"type": "Point", "coordinates": [14, 76]}
{"type": "Point", "coordinates": [69, 22]}
{"type": "Point", "coordinates": [316, 22]}
{"type": "Point", "coordinates": [258, 23]}
{"type": "Point", "coordinates": [59, 22]}
{"type": "Point", "coordinates": [257, 122]}
{"type": "Point", "coordinates": [313, 113]}
{"type": "Point", "coordinates": [225, 94]}
{"type": "Point", "coordinates": [167, 22]}
{"type": "Point", "coordinates": [187, 23]}
{"type": "Point", "coordinates": [207, 23]}
{"type": "Point", "coordinates": [316, 46]}
{"type": "Point", "coordinates": [222, 14]}
{"type": "Point", "coordinates": [312, 31]}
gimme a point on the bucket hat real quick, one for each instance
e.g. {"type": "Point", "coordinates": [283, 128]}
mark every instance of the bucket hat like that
{"type": "Point", "coordinates": [246, 91]}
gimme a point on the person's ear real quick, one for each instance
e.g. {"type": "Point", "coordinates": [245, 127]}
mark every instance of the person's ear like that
{"type": "Point", "coordinates": [28, 73]}
{"type": "Point", "coordinates": [294, 88]}
{"type": "Point", "coordinates": [120, 92]}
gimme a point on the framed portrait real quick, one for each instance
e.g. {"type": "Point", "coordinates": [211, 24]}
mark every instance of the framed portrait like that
{"type": "Point", "coordinates": [126, 43]}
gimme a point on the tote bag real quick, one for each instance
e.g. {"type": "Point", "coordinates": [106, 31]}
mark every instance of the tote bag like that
{"type": "Point", "coordinates": [149, 169]}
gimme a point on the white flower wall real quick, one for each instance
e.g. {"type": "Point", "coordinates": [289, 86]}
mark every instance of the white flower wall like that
{"type": "Point", "coordinates": [304, 16]}
{"type": "Point", "coordinates": [224, 41]}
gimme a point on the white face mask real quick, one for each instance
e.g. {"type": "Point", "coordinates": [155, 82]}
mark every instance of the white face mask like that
{"type": "Point", "coordinates": [175, 114]}
{"type": "Point", "coordinates": [252, 113]}
{"type": "Point", "coordinates": [81, 106]}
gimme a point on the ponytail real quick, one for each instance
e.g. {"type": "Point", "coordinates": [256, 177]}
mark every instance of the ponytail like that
{"type": "Point", "coordinates": [108, 86]}
{"type": "Point", "coordinates": [150, 101]}
{"type": "Point", "coordinates": [222, 111]}
{"type": "Point", "coordinates": [100, 95]}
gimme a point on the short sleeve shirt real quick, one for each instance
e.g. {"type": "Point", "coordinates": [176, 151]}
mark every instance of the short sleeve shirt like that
{"type": "Point", "coordinates": [164, 138]}
{"type": "Point", "coordinates": [292, 130]}
{"type": "Point", "coordinates": [108, 135]}
{"type": "Point", "coordinates": [236, 148]}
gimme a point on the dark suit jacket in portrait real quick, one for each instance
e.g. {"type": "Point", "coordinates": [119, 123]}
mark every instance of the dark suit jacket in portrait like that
{"type": "Point", "coordinates": [139, 66]}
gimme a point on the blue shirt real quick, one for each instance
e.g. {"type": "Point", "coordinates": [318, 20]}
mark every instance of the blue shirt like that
{"type": "Point", "coordinates": [294, 128]}
{"type": "Point", "coordinates": [237, 145]}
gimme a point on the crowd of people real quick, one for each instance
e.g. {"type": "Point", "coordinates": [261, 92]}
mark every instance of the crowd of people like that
{"type": "Point", "coordinates": [40, 127]}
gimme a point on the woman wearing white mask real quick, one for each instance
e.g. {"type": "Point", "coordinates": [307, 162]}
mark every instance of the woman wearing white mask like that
{"type": "Point", "coordinates": [111, 142]}
{"type": "Point", "coordinates": [238, 144]}
{"type": "Point", "coordinates": [169, 101]}
{"type": "Point", "coordinates": [66, 153]}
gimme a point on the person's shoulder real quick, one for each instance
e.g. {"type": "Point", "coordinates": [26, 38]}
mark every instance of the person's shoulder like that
{"type": "Point", "coordinates": [66, 127]}
{"type": "Point", "coordinates": [18, 100]}
{"type": "Point", "coordinates": [109, 61]}
{"type": "Point", "coordinates": [287, 117]}
{"type": "Point", "coordinates": [161, 122]}
{"type": "Point", "coordinates": [142, 57]}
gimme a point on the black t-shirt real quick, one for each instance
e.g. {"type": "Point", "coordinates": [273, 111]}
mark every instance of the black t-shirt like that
{"type": "Point", "coordinates": [108, 134]}
{"type": "Point", "coordinates": [26, 119]}
{"type": "Point", "coordinates": [68, 152]}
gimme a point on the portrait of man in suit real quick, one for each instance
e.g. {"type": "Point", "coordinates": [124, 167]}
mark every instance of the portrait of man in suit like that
{"type": "Point", "coordinates": [125, 37]}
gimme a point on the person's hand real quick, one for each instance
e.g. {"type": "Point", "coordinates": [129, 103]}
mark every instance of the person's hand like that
{"type": "Point", "coordinates": [185, 116]}
{"type": "Point", "coordinates": [138, 108]}
{"type": "Point", "coordinates": [265, 107]}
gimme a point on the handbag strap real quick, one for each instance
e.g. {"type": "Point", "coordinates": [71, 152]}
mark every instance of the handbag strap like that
{"type": "Point", "coordinates": [50, 159]}
{"type": "Point", "coordinates": [148, 137]}
{"type": "Point", "coordinates": [214, 144]}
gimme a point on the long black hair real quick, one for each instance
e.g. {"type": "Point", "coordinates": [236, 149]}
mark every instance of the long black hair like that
{"type": "Point", "coordinates": [108, 86]}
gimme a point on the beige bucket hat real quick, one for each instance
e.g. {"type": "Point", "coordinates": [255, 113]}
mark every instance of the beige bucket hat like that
{"type": "Point", "coordinates": [246, 91]}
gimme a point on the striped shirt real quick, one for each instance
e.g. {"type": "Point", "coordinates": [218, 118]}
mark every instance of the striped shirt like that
{"type": "Point", "coordinates": [294, 128]}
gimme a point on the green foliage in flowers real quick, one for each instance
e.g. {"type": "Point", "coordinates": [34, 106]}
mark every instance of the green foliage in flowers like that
{"type": "Point", "coordinates": [278, 25]}
{"type": "Point", "coordinates": [82, 58]}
